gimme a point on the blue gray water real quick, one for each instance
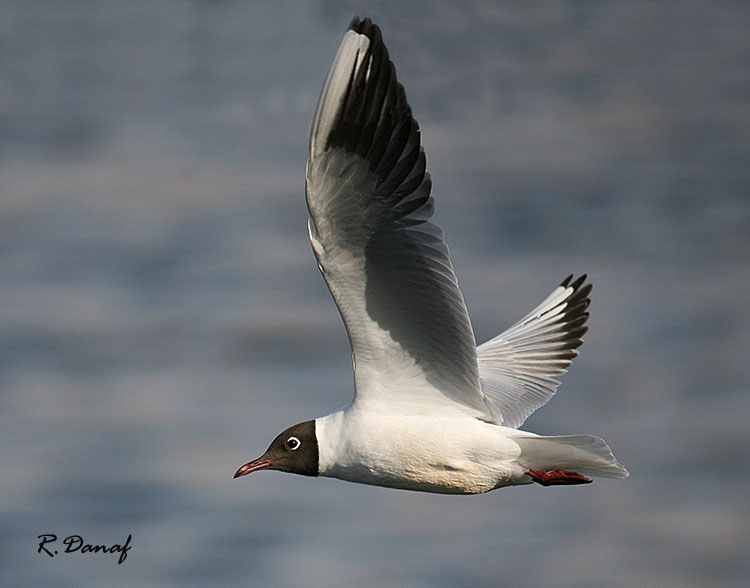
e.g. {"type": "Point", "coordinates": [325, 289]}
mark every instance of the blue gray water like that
{"type": "Point", "coordinates": [162, 319]}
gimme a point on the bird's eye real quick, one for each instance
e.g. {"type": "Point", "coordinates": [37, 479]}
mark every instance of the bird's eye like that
{"type": "Point", "coordinates": [292, 443]}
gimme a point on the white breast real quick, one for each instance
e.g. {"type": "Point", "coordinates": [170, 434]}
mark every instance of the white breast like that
{"type": "Point", "coordinates": [429, 453]}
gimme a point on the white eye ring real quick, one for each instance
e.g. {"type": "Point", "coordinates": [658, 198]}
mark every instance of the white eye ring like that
{"type": "Point", "coordinates": [292, 443]}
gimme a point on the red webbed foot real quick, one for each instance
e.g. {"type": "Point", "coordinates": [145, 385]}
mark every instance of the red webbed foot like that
{"type": "Point", "coordinates": [557, 477]}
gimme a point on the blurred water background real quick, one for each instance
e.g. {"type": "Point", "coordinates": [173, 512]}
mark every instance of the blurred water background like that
{"type": "Point", "coordinates": [162, 319]}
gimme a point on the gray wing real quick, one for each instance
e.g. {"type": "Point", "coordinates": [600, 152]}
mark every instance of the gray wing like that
{"type": "Point", "coordinates": [518, 368]}
{"type": "Point", "coordinates": [385, 263]}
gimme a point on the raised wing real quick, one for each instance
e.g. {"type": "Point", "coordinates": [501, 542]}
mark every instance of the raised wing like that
{"type": "Point", "coordinates": [518, 368]}
{"type": "Point", "coordinates": [385, 263]}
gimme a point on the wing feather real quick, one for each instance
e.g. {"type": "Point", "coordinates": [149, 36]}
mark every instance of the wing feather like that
{"type": "Point", "coordinates": [518, 368]}
{"type": "Point", "coordinates": [385, 262]}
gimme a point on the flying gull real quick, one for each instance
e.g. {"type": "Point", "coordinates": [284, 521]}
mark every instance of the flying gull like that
{"type": "Point", "coordinates": [431, 411]}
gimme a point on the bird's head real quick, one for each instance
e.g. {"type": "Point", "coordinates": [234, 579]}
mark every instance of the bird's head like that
{"type": "Point", "coordinates": [294, 450]}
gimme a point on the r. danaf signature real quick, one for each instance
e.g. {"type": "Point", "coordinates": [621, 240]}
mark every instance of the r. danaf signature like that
{"type": "Point", "coordinates": [75, 543]}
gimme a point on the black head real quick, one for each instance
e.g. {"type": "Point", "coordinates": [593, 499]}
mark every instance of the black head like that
{"type": "Point", "coordinates": [295, 450]}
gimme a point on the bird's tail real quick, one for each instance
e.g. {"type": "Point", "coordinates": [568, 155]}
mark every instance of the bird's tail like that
{"type": "Point", "coordinates": [581, 453]}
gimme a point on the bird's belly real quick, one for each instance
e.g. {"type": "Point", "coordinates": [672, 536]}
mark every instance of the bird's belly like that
{"type": "Point", "coordinates": [433, 477]}
{"type": "Point", "coordinates": [416, 454]}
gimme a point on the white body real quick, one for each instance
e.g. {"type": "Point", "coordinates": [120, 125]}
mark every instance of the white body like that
{"type": "Point", "coordinates": [431, 410]}
{"type": "Point", "coordinates": [451, 455]}
{"type": "Point", "coordinates": [456, 454]}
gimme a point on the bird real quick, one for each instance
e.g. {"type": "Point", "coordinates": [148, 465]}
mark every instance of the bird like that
{"type": "Point", "coordinates": [431, 411]}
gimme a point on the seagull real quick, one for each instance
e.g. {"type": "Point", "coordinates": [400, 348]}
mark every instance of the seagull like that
{"type": "Point", "coordinates": [431, 412]}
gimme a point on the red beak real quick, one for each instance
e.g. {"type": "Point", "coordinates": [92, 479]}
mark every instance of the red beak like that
{"type": "Point", "coordinates": [254, 466]}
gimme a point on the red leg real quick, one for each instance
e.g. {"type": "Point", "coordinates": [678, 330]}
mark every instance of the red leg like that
{"type": "Point", "coordinates": [557, 477]}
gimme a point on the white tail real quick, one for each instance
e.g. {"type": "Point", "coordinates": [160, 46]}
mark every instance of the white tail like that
{"type": "Point", "coordinates": [581, 453]}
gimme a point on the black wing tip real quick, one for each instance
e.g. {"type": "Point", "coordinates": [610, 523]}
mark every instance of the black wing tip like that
{"type": "Point", "coordinates": [575, 316]}
{"type": "Point", "coordinates": [579, 297]}
{"type": "Point", "coordinates": [364, 26]}
{"type": "Point", "coordinates": [577, 283]}
{"type": "Point", "coordinates": [376, 122]}
{"type": "Point", "coordinates": [370, 30]}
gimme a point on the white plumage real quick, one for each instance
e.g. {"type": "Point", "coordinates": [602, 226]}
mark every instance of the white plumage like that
{"type": "Point", "coordinates": [431, 411]}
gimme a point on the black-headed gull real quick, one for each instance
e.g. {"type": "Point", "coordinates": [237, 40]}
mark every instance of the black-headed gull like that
{"type": "Point", "coordinates": [431, 410]}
